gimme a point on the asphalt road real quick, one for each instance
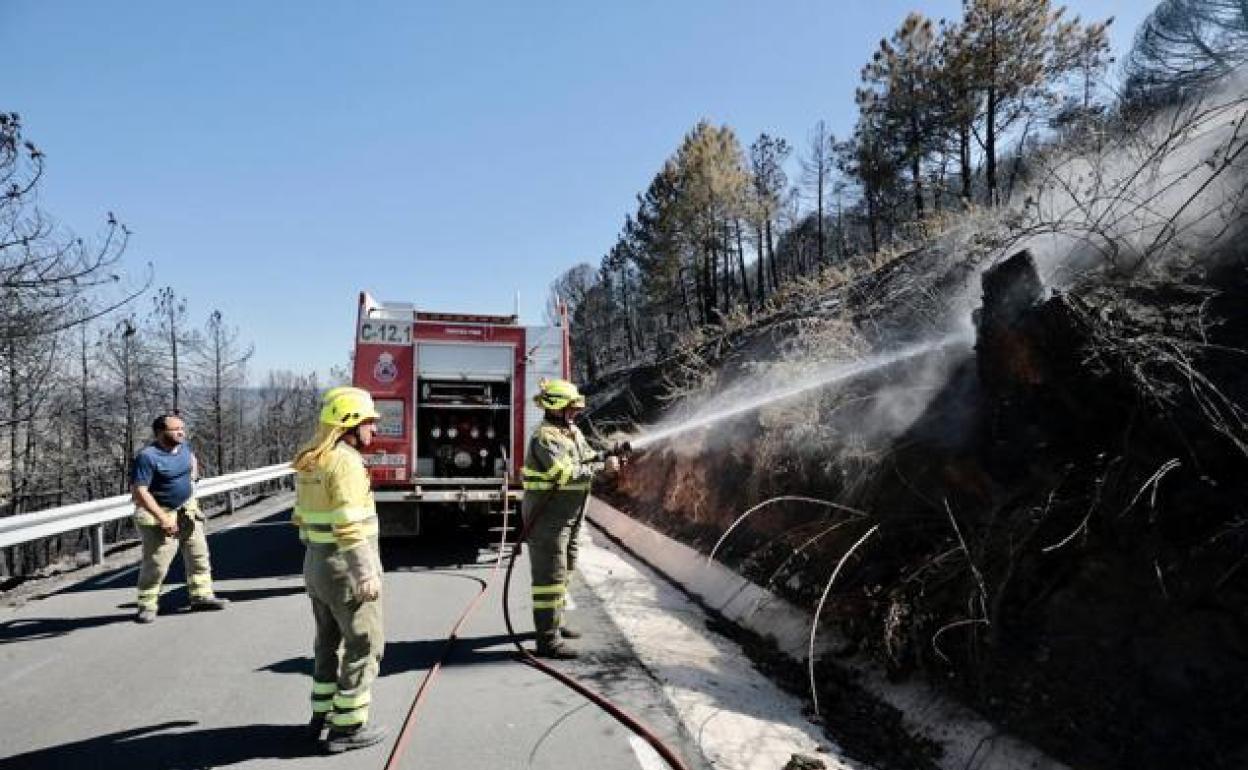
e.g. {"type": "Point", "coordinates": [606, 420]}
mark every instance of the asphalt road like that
{"type": "Point", "coordinates": [85, 687]}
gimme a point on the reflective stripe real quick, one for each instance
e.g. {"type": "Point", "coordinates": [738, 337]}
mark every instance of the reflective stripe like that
{"type": "Point", "coordinates": [347, 718]}
{"type": "Point", "coordinates": [344, 515]}
{"type": "Point", "coordinates": [562, 470]}
{"type": "Point", "coordinates": [200, 579]}
{"type": "Point", "coordinates": [548, 589]}
{"type": "Point", "coordinates": [547, 486]}
{"type": "Point", "coordinates": [346, 702]}
{"type": "Point", "coordinates": [549, 604]}
{"type": "Point", "coordinates": [323, 696]}
{"type": "Point", "coordinates": [324, 533]}
{"type": "Point", "coordinates": [558, 477]}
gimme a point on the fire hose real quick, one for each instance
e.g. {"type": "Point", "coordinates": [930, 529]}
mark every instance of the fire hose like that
{"type": "Point", "coordinates": [633, 724]}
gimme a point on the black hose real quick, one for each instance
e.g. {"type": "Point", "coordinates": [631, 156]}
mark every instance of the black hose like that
{"type": "Point", "coordinates": [621, 716]}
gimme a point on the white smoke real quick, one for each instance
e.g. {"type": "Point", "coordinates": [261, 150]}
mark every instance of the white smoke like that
{"type": "Point", "coordinates": [1169, 187]}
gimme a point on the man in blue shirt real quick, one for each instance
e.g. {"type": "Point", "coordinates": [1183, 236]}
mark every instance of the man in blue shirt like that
{"type": "Point", "coordinates": [168, 516]}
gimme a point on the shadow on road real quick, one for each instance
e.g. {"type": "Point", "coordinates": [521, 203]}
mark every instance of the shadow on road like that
{"type": "Point", "coordinates": [266, 548]}
{"type": "Point", "coordinates": [403, 657]}
{"type": "Point", "coordinates": [29, 629]}
{"type": "Point", "coordinates": [152, 748]}
{"type": "Point", "coordinates": [260, 594]}
{"type": "Point", "coordinates": [270, 548]}
{"type": "Point", "coordinates": [178, 601]}
{"type": "Point", "coordinates": [447, 548]}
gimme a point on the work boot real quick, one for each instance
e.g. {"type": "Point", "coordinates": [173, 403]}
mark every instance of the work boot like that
{"type": "Point", "coordinates": [208, 603]}
{"type": "Point", "coordinates": [316, 727]}
{"type": "Point", "coordinates": [145, 615]}
{"type": "Point", "coordinates": [556, 651]}
{"type": "Point", "coordinates": [569, 633]}
{"type": "Point", "coordinates": [361, 737]}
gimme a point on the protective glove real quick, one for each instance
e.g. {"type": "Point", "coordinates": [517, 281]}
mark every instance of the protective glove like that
{"type": "Point", "coordinates": [612, 464]}
{"type": "Point", "coordinates": [369, 589]}
{"type": "Point", "coordinates": [365, 572]}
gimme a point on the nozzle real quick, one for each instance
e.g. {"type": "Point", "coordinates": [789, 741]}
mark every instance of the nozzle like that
{"type": "Point", "coordinates": [622, 450]}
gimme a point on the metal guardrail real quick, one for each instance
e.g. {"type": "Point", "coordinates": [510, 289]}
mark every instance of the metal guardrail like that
{"type": "Point", "coordinates": [95, 513]}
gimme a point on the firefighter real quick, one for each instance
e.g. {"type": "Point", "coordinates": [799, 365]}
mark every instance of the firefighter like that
{"type": "Point", "coordinates": [558, 469]}
{"type": "Point", "coordinates": [167, 515]}
{"type": "Point", "coordinates": [337, 522]}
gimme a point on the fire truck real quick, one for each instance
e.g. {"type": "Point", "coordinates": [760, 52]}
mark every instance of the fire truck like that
{"type": "Point", "coordinates": [455, 394]}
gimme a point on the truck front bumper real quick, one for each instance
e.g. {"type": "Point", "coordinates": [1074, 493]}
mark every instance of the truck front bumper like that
{"type": "Point", "coordinates": [462, 494]}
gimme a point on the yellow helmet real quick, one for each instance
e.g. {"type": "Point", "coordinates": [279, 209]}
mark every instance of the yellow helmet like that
{"type": "Point", "coordinates": [334, 392]}
{"type": "Point", "coordinates": [347, 407]}
{"type": "Point", "coordinates": [554, 395]}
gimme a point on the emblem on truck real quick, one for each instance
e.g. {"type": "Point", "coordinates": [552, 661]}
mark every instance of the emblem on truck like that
{"type": "Point", "coordinates": [385, 369]}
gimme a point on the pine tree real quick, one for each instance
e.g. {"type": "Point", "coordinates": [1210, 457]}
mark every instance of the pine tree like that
{"type": "Point", "coordinates": [899, 84]}
{"type": "Point", "coordinates": [767, 184]}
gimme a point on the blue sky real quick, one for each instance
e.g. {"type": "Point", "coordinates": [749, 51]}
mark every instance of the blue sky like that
{"type": "Point", "coordinates": [274, 158]}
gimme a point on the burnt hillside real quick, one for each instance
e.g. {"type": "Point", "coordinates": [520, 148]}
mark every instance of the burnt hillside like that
{"type": "Point", "coordinates": [1062, 532]}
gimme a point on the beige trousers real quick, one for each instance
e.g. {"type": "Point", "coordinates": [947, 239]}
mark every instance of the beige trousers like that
{"type": "Point", "coordinates": [350, 637]}
{"type": "Point", "coordinates": [158, 552]}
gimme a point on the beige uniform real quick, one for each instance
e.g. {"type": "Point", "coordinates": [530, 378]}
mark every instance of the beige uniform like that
{"type": "Point", "coordinates": [558, 471]}
{"type": "Point", "coordinates": [337, 521]}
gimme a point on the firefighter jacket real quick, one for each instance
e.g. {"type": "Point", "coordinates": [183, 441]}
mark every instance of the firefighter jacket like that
{"type": "Point", "coordinates": [560, 461]}
{"type": "Point", "coordinates": [334, 503]}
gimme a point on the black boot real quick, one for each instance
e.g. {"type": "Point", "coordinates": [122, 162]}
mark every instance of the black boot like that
{"type": "Point", "coordinates": [361, 737]}
{"type": "Point", "coordinates": [316, 727]}
{"type": "Point", "coordinates": [209, 603]}
{"type": "Point", "coordinates": [555, 650]}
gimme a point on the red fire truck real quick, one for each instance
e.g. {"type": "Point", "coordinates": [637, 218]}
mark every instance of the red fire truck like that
{"type": "Point", "coordinates": [455, 392]}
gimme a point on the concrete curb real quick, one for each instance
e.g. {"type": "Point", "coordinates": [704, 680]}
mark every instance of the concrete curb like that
{"type": "Point", "coordinates": [970, 743]}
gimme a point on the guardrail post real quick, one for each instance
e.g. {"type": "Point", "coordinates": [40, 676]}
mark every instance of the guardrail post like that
{"type": "Point", "coordinates": [97, 544]}
{"type": "Point", "coordinates": [229, 502]}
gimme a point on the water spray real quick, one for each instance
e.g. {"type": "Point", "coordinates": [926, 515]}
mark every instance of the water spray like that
{"type": "Point", "coordinates": [836, 374]}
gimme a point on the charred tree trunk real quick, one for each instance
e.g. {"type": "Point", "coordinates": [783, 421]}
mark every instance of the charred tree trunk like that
{"type": "Point", "coordinates": [745, 280]}
{"type": "Point", "coordinates": [84, 424]}
{"type": "Point", "coordinates": [990, 147]}
{"type": "Point", "coordinates": [964, 159]}
{"type": "Point", "coordinates": [771, 256]}
{"type": "Point", "coordinates": [761, 268]}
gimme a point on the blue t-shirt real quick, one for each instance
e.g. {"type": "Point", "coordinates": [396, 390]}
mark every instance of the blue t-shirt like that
{"type": "Point", "coordinates": [167, 475]}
